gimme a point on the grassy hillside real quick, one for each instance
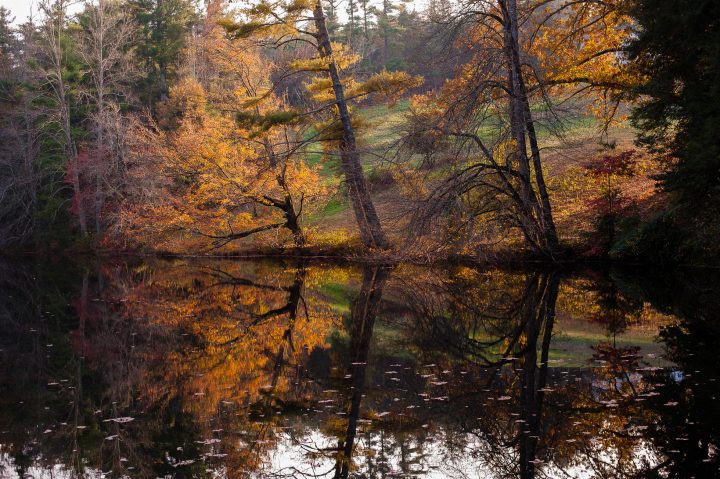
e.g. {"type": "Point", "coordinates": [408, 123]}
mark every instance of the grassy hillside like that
{"type": "Point", "coordinates": [566, 149]}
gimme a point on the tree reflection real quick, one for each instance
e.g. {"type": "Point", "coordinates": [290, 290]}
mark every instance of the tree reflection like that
{"type": "Point", "coordinates": [231, 369]}
{"type": "Point", "coordinates": [364, 312]}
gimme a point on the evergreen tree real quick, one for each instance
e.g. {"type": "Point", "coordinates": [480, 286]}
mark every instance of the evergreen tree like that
{"type": "Point", "coordinates": [677, 48]}
{"type": "Point", "coordinates": [164, 27]}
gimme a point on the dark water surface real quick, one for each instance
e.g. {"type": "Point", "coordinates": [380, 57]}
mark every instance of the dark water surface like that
{"type": "Point", "coordinates": [257, 369]}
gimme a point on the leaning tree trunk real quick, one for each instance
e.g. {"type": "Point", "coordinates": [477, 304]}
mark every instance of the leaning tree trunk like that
{"type": "Point", "coordinates": [368, 222]}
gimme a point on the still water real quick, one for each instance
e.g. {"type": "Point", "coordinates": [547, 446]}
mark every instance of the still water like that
{"type": "Point", "coordinates": [185, 368]}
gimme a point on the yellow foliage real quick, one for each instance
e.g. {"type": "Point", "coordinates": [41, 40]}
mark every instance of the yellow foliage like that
{"type": "Point", "coordinates": [214, 180]}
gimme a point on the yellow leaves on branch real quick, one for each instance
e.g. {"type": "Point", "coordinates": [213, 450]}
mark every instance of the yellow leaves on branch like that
{"type": "Point", "coordinates": [342, 57]}
{"type": "Point", "coordinates": [388, 86]}
{"type": "Point", "coordinates": [215, 177]}
{"type": "Point", "coordinates": [580, 44]}
{"type": "Point", "coordinates": [233, 73]}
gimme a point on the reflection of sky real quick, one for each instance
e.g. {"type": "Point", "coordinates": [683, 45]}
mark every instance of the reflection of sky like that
{"type": "Point", "coordinates": [7, 471]}
{"type": "Point", "coordinates": [290, 458]}
{"type": "Point", "coordinates": [436, 461]}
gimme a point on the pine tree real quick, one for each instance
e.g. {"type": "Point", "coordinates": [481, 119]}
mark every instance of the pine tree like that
{"type": "Point", "coordinates": [164, 26]}
{"type": "Point", "coordinates": [677, 49]}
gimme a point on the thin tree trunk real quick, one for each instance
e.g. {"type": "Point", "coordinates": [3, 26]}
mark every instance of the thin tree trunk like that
{"type": "Point", "coordinates": [54, 30]}
{"type": "Point", "coordinates": [72, 156]}
{"type": "Point", "coordinates": [537, 215]}
{"type": "Point", "coordinates": [100, 146]}
{"type": "Point", "coordinates": [99, 153]}
{"type": "Point", "coordinates": [386, 41]}
{"type": "Point", "coordinates": [547, 218]}
{"type": "Point", "coordinates": [368, 222]}
{"type": "Point", "coordinates": [351, 22]}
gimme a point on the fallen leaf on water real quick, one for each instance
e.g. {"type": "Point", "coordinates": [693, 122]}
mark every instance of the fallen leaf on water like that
{"type": "Point", "coordinates": [120, 420]}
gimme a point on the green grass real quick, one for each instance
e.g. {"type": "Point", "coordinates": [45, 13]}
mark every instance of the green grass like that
{"type": "Point", "coordinates": [381, 127]}
{"type": "Point", "coordinates": [338, 297]}
{"type": "Point", "coordinates": [574, 348]}
{"type": "Point", "coordinates": [335, 206]}
{"type": "Point", "coordinates": [382, 123]}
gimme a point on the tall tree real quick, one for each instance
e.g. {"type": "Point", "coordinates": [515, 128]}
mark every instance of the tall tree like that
{"type": "Point", "coordinates": [491, 90]}
{"type": "Point", "coordinates": [61, 70]}
{"type": "Point", "coordinates": [525, 57]}
{"type": "Point", "coordinates": [389, 28]}
{"type": "Point", "coordinates": [278, 25]}
{"type": "Point", "coordinates": [164, 27]}
{"type": "Point", "coordinates": [366, 17]}
{"type": "Point", "coordinates": [350, 27]}
{"type": "Point", "coordinates": [104, 47]}
{"type": "Point", "coordinates": [677, 52]}
{"type": "Point", "coordinates": [19, 134]}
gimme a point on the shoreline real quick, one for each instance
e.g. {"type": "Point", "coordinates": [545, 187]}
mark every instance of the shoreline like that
{"type": "Point", "coordinates": [502, 259]}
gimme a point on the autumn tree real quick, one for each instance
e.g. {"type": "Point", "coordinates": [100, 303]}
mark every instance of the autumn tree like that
{"type": "Point", "coordinates": [278, 25]}
{"type": "Point", "coordinates": [231, 165]}
{"type": "Point", "coordinates": [488, 118]}
{"type": "Point", "coordinates": [610, 204]}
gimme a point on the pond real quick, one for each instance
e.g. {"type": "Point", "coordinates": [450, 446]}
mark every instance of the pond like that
{"type": "Point", "coordinates": [223, 368]}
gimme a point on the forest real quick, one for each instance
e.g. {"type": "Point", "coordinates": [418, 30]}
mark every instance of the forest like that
{"type": "Point", "coordinates": [359, 239]}
{"type": "Point", "coordinates": [482, 130]}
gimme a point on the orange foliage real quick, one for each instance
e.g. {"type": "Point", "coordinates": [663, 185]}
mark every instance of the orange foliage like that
{"type": "Point", "coordinates": [202, 177]}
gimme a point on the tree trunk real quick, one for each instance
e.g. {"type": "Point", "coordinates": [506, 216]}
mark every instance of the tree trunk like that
{"type": "Point", "coordinates": [364, 311]}
{"type": "Point", "coordinates": [536, 214]}
{"type": "Point", "coordinates": [292, 222]}
{"type": "Point", "coordinates": [72, 156]}
{"type": "Point", "coordinates": [386, 33]}
{"type": "Point", "coordinates": [292, 217]}
{"type": "Point", "coordinates": [55, 51]}
{"type": "Point", "coordinates": [368, 222]}
{"type": "Point", "coordinates": [539, 314]}
{"type": "Point", "coordinates": [99, 168]}
{"type": "Point", "coordinates": [547, 218]}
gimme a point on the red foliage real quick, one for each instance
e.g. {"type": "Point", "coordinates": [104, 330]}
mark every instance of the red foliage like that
{"type": "Point", "coordinates": [79, 167]}
{"type": "Point", "coordinates": [621, 164]}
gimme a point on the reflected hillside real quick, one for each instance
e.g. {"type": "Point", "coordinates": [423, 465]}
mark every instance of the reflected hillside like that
{"type": "Point", "coordinates": [261, 369]}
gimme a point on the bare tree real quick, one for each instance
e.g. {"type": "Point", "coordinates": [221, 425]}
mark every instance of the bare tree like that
{"type": "Point", "coordinates": [53, 56]}
{"type": "Point", "coordinates": [104, 46]}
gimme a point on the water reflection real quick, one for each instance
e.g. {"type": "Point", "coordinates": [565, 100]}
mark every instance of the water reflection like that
{"type": "Point", "coordinates": [239, 369]}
